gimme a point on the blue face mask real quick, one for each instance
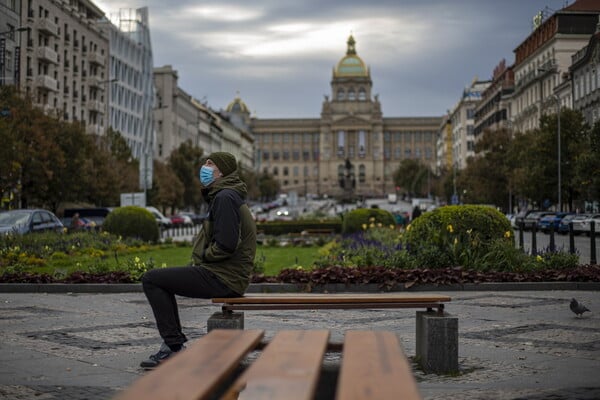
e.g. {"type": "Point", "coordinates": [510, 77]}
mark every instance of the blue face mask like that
{"type": "Point", "coordinates": [206, 175]}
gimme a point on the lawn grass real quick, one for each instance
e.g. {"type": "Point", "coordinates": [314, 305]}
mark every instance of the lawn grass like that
{"type": "Point", "coordinates": [272, 259]}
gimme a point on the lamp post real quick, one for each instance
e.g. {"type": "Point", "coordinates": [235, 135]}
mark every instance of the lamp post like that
{"type": "Point", "coordinates": [557, 98]}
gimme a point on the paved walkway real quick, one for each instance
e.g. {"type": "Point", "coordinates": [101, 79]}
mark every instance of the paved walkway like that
{"type": "Point", "coordinates": [513, 344]}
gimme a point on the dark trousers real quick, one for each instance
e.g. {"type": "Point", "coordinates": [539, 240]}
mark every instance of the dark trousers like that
{"type": "Point", "coordinates": [161, 286]}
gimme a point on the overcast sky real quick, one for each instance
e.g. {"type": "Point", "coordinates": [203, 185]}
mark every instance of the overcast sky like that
{"type": "Point", "coordinates": [279, 54]}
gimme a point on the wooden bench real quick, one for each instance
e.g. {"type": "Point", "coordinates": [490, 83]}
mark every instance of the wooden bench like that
{"type": "Point", "coordinates": [373, 366]}
{"type": "Point", "coordinates": [436, 331]}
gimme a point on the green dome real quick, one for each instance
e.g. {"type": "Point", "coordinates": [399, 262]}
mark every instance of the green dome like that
{"type": "Point", "coordinates": [237, 106]}
{"type": "Point", "coordinates": [351, 64]}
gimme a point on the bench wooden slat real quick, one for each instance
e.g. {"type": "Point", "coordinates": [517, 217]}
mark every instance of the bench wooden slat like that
{"type": "Point", "coordinates": [374, 367]}
{"type": "Point", "coordinates": [335, 298]}
{"type": "Point", "coordinates": [198, 370]}
{"type": "Point", "coordinates": [289, 368]}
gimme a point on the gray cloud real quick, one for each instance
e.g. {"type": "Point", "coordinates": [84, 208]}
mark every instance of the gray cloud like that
{"type": "Point", "coordinates": [279, 54]}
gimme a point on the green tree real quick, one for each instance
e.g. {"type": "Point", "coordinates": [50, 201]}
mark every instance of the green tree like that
{"type": "Point", "coordinates": [412, 177]}
{"type": "Point", "coordinates": [268, 186]}
{"type": "Point", "coordinates": [486, 177]}
{"type": "Point", "coordinates": [185, 161]}
{"type": "Point", "coordinates": [587, 166]}
{"type": "Point", "coordinates": [168, 190]}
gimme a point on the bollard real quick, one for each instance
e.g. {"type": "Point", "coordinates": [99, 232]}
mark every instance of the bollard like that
{"type": "Point", "coordinates": [552, 244]}
{"type": "Point", "coordinates": [571, 239]}
{"type": "Point", "coordinates": [521, 235]}
{"type": "Point", "coordinates": [533, 239]}
{"type": "Point", "coordinates": [592, 242]}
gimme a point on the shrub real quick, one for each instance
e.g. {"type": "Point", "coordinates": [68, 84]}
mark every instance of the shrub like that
{"type": "Point", "coordinates": [363, 218]}
{"type": "Point", "coordinates": [463, 233]}
{"type": "Point", "coordinates": [132, 222]}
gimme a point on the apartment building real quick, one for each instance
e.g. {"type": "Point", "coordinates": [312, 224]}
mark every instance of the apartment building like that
{"type": "Point", "coordinates": [493, 111]}
{"type": "Point", "coordinates": [10, 41]}
{"type": "Point", "coordinates": [179, 118]}
{"type": "Point", "coordinates": [543, 59]}
{"type": "Point", "coordinates": [462, 120]}
{"type": "Point", "coordinates": [64, 62]}
{"type": "Point", "coordinates": [585, 74]}
{"type": "Point", "coordinates": [313, 155]}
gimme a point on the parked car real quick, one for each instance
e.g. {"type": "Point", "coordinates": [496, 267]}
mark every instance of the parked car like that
{"type": "Point", "coordinates": [586, 226]}
{"type": "Point", "coordinates": [161, 220]}
{"type": "Point", "coordinates": [551, 222]}
{"type": "Point", "coordinates": [578, 223]}
{"type": "Point", "coordinates": [533, 218]}
{"type": "Point", "coordinates": [181, 220]}
{"type": "Point", "coordinates": [196, 218]}
{"type": "Point", "coordinates": [563, 225]}
{"type": "Point", "coordinates": [29, 221]}
{"type": "Point", "coordinates": [520, 217]}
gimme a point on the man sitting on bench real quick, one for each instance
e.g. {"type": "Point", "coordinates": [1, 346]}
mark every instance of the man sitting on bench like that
{"type": "Point", "coordinates": [222, 255]}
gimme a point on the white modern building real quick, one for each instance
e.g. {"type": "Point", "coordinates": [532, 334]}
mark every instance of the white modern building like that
{"type": "Point", "coordinates": [132, 88]}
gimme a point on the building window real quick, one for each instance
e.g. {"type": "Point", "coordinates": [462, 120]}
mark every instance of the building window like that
{"type": "Point", "coordinates": [340, 94]}
{"type": "Point", "coordinates": [362, 147]}
{"type": "Point", "coordinates": [362, 94]}
{"type": "Point", "coordinates": [341, 143]}
{"type": "Point", "coordinates": [286, 155]}
{"type": "Point", "coordinates": [362, 173]}
{"type": "Point", "coordinates": [286, 171]}
{"type": "Point", "coordinates": [351, 95]}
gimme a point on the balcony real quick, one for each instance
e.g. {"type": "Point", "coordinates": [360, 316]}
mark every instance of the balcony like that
{"type": "Point", "coordinates": [95, 105]}
{"type": "Point", "coordinates": [47, 54]}
{"type": "Point", "coordinates": [95, 82]}
{"type": "Point", "coordinates": [45, 82]}
{"type": "Point", "coordinates": [47, 26]}
{"type": "Point", "coordinates": [96, 58]}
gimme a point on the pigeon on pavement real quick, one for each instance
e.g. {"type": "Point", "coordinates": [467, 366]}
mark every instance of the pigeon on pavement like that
{"type": "Point", "coordinates": [578, 308]}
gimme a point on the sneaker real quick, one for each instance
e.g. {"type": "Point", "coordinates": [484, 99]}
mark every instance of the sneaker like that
{"type": "Point", "coordinates": [155, 360]}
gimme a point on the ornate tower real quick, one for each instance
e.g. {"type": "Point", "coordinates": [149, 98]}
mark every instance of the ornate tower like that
{"type": "Point", "coordinates": [351, 129]}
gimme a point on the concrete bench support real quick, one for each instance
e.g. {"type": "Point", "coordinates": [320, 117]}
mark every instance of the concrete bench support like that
{"type": "Point", "coordinates": [225, 320]}
{"type": "Point", "coordinates": [437, 342]}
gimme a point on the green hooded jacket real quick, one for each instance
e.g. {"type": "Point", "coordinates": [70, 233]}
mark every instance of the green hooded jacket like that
{"type": "Point", "coordinates": [226, 244]}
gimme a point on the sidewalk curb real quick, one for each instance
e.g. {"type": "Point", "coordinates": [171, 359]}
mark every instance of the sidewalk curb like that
{"type": "Point", "coordinates": [291, 287]}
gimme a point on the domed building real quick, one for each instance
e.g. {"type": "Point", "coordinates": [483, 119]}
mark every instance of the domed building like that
{"type": "Point", "coordinates": [351, 147]}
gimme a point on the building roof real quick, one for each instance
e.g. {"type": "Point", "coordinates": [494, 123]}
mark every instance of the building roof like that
{"type": "Point", "coordinates": [237, 106]}
{"type": "Point", "coordinates": [584, 5]}
{"type": "Point", "coordinates": [351, 65]}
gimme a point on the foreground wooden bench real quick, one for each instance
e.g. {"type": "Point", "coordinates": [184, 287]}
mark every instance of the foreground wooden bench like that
{"type": "Point", "coordinates": [436, 331]}
{"type": "Point", "coordinates": [373, 366]}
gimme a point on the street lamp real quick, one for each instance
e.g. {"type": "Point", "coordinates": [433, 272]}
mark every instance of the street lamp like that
{"type": "Point", "coordinates": [557, 98]}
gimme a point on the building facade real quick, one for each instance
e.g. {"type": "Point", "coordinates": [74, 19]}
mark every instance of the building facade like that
{"type": "Point", "coordinates": [10, 41]}
{"type": "Point", "coordinates": [493, 111]}
{"type": "Point", "coordinates": [64, 65]}
{"type": "Point", "coordinates": [351, 139]}
{"type": "Point", "coordinates": [543, 59]}
{"type": "Point", "coordinates": [585, 75]}
{"type": "Point", "coordinates": [132, 87]}
{"type": "Point", "coordinates": [462, 120]}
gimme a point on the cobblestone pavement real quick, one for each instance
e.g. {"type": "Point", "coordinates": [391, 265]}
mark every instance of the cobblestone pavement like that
{"type": "Point", "coordinates": [512, 345]}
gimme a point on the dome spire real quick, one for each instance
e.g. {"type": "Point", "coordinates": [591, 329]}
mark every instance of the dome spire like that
{"type": "Point", "coordinates": [351, 46]}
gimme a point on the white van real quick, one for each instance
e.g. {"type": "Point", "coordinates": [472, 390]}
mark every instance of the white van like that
{"type": "Point", "coordinates": [162, 221]}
